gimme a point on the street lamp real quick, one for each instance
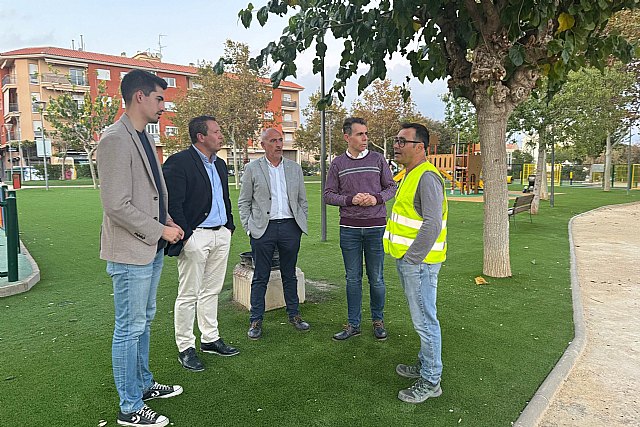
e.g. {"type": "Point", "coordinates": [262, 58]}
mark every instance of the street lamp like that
{"type": "Point", "coordinates": [41, 106]}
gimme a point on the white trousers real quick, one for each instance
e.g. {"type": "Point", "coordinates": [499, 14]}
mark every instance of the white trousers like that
{"type": "Point", "coordinates": [202, 266]}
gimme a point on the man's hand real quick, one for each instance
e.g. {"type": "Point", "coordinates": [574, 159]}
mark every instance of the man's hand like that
{"type": "Point", "coordinates": [364, 199]}
{"type": "Point", "coordinates": [170, 223]}
{"type": "Point", "coordinates": [172, 234]}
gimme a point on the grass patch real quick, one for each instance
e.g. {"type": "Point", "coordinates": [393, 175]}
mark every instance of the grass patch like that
{"type": "Point", "coordinates": [499, 340]}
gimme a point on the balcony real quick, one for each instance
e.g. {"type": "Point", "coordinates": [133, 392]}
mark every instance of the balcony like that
{"type": "Point", "coordinates": [52, 80]}
{"type": "Point", "coordinates": [290, 124]}
{"type": "Point", "coordinates": [9, 79]}
{"type": "Point", "coordinates": [289, 104]}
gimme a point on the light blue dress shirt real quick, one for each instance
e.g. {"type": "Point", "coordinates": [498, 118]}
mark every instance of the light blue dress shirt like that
{"type": "Point", "coordinates": [218, 213]}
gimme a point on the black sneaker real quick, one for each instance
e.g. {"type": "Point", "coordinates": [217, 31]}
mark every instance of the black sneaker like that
{"type": "Point", "coordinates": [379, 331]}
{"type": "Point", "coordinates": [218, 347]}
{"type": "Point", "coordinates": [347, 332]}
{"type": "Point", "coordinates": [298, 323]}
{"type": "Point", "coordinates": [189, 360]}
{"type": "Point", "coordinates": [255, 330]}
{"type": "Point", "coordinates": [144, 416]}
{"type": "Point", "coordinates": [161, 391]}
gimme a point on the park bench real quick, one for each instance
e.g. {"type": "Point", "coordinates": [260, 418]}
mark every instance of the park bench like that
{"type": "Point", "coordinates": [521, 204]}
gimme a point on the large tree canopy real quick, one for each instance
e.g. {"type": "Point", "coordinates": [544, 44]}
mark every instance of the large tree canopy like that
{"type": "Point", "coordinates": [492, 51]}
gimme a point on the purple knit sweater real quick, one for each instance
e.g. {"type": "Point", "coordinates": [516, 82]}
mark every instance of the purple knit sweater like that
{"type": "Point", "coordinates": [348, 177]}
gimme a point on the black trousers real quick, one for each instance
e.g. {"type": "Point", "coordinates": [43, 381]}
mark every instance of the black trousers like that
{"type": "Point", "coordinates": [285, 235]}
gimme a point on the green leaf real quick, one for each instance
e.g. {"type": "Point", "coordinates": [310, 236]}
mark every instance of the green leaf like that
{"type": "Point", "coordinates": [263, 15]}
{"type": "Point", "coordinates": [516, 56]}
{"type": "Point", "coordinates": [246, 16]}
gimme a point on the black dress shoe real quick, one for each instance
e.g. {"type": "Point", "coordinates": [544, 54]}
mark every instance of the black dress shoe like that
{"type": "Point", "coordinates": [218, 347]}
{"type": "Point", "coordinates": [255, 331]}
{"type": "Point", "coordinates": [189, 360]}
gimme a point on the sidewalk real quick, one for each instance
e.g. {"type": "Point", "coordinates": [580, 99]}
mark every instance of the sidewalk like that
{"type": "Point", "coordinates": [597, 381]}
{"type": "Point", "coordinates": [28, 271]}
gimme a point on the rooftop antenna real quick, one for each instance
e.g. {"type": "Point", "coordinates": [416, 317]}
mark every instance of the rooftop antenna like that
{"type": "Point", "coordinates": [160, 46]}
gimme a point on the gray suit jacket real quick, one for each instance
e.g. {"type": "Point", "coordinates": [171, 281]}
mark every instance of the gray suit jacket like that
{"type": "Point", "coordinates": [130, 228]}
{"type": "Point", "coordinates": [254, 202]}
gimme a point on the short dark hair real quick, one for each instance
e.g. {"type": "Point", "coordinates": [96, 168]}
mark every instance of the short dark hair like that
{"type": "Point", "coordinates": [136, 80]}
{"type": "Point", "coordinates": [422, 133]}
{"type": "Point", "coordinates": [349, 121]}
{"type": "Point", "coordinates": [199, 125]}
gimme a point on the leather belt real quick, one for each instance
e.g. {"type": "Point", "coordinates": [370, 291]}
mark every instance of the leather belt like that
{"type": "Point", "coordinates": [281, 221]}
{"type": "Point", "coordinates": [217, 227]}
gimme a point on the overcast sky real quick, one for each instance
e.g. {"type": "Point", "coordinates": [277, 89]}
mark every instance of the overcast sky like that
{"type": "Point", "coordinates": [192, 30]}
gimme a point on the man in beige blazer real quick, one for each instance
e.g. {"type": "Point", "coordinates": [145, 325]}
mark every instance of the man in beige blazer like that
{"type": "Point", "coordinates": [135, 229]}
{"type": "Point", "coordinates": [273, 212]}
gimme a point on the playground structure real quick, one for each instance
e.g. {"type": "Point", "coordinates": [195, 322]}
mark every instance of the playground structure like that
{"type": "Point", "coordinates": [462, 167]}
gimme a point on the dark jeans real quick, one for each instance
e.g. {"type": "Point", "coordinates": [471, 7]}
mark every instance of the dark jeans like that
{"type": "Point", "coordinates": [354, 242]}
{"type": "Point", "coordinates": [283, 234]}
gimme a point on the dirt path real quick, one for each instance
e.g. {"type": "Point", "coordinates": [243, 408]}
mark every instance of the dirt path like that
{"type": "Point", "coordinates": [603, 388]}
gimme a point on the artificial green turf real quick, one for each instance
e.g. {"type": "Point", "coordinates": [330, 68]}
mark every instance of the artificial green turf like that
{"type": "Point", "coordinates": [500, 340]}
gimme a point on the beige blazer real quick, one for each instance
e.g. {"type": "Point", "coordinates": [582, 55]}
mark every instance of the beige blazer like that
{"type": "Point", "coordinates": [130, 228]}
{"type": "Point", "coordinates": [254, 202]}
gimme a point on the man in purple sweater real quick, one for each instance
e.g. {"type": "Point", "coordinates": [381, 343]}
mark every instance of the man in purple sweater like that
{"type": "Point", "coordinates": [360, 182]}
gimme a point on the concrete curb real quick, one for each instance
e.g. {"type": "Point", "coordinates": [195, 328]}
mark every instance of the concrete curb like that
{"type": "Point", "coordinates": [23, 285]}
{"type": "Point", "coordinates": [537, 406]}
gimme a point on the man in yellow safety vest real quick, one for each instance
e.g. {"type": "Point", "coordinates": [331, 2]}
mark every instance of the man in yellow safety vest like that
{"type": "Point", "coordinates": [416, 236]}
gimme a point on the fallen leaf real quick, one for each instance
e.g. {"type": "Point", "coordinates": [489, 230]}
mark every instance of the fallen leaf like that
{"type": "Point", "coordinates": [480, 280]}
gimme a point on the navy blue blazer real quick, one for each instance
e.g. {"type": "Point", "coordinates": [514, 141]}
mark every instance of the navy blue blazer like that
{"type": "Point", "coordinates": [189, 191]}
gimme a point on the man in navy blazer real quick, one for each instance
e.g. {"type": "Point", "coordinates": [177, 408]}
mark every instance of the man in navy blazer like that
{"type": "Point", "coordinates": [198, 188]}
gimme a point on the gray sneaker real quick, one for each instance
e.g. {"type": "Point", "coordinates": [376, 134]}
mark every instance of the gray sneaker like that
{"type": "Point", "coordinates": [347, 332]}
{"type": "Point", "coordinates": [409, 371]}
{"type": "Point", "coordinates": [420, 391]}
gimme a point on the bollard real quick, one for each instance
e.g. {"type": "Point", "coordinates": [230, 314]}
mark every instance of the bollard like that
{"type": "Point", "coordinates": [13, 240]}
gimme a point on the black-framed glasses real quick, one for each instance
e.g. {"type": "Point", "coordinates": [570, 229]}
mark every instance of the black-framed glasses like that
{"type": "Point", "coordinates": [403, 141]}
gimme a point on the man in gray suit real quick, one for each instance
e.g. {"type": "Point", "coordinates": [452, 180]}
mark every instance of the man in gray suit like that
{"type": "Point", "coordinates": [273, 212]}
{"type": "Point", "coordinates": [135, 229]}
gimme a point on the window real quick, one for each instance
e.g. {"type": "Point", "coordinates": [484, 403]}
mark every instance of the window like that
{"type": "Point", "coordinates": [37, 128]}
{"type": "Point", "coordinates": [286, 97]}
{"type": "Point", "coordinates": [122, 74]}
{"type": "Point", "coordinates": [79, 100]}
{"type": "Point", "coordinates": [169, 106]}
{"type": "Point", "coordinates": [153, 128]}
{"type": "Point", "coordinates": [33, 74]}
{"type": "Point", "coordinates": [268, 115]}
{"type": "Point", "coordinates": [103, 74]}
{"type": "Point", "coordinates": [35, 97]}
{"type": "Point", "coordinates": [288, 137]}
{"type": "Point", "coordinates": [196, 86]}
{"type": "Point", "coordinates": [170, 130]}
{"type": "Point", "coordinates": [288, 118]}
{"type": "Point", "coordinates": [171, 81]}
{"type": "Point", "coordinates": [76, 77]}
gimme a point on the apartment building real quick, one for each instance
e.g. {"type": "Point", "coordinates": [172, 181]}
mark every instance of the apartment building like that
{"type": "Point", "coordinates": [34, 75]}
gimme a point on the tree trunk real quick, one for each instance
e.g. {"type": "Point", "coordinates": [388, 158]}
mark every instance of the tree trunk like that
{"type": "Point", "coordinates": [607, 164]}
{"type": "Point", "coordinates": [540, 187]}
{"type": "Point", "coordinates": [236, 175]}
{"type": "Point", "coordinates": [92, 167]}
{"type": "Point", "coordinates": [492, 124]}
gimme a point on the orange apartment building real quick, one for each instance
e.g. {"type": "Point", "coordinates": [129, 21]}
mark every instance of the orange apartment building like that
{"type": "Point", "coordinates": [42, 73]}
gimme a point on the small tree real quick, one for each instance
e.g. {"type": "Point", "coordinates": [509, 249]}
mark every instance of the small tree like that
{"type": "Point", "coordinates": [237, 99]}
{"type": "Point", "coordinates": [308, 135]}
{"type": "Point", "coordinates": [384, 108]}
{"type": "Point", "coordinates": [80, 124]}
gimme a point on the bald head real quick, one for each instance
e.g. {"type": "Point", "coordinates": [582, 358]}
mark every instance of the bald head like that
{"type": "Point", "coordinates": [272, 142]}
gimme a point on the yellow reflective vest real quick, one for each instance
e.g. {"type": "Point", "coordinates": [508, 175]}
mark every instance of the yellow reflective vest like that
{"type": "Point", "coordinates": [405, 222]}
